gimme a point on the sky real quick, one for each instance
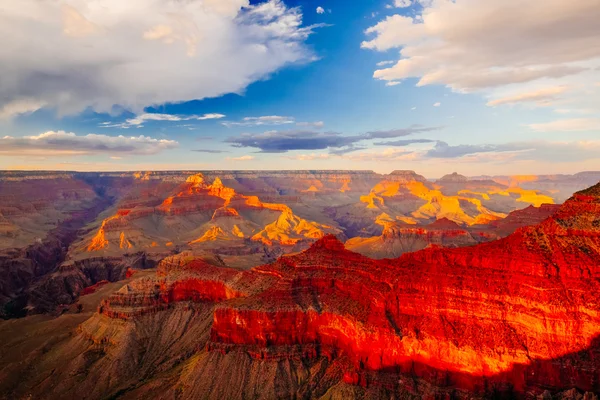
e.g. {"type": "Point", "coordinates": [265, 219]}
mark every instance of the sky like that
{"type": "Point", "coordinates": [480, 87]}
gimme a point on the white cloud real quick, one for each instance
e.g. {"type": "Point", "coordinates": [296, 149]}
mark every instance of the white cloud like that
{"type": "Point", "coordinates": [137, 53]}
{"type": "Point", "coordinates": [413, 108]}
{"type": "Point", "coordinates": [384, 63]}
{"type": "Point", "coordinates": [316, 124]}
{"type": "Point", "coordinates": [60, 143]}
{"type": "Point", "coordinates": [541, 97]}
{"type": "Point", "coordinates": [140, 119]}
{"type": "Point", "coordinates": [242, 158]}
{"type": "Point", "coordinates": [20, 106]}
{"type": "Point", "coordinates": [210, 116]}
{"type": "Point", "coordinates": [320, 10]}
{"type": "Point", "coordinates": [392, 83]}
{"type": "Point", "coordinates": [500, 48]}
{"type": "Point", "coordinates": [568, 125]}
{"type": "Point", "coordinates": [402, 3]}
{"type": "Point", "coordinates": [264, 120]}
{"type": "Point", "coordinates": [437, 104]}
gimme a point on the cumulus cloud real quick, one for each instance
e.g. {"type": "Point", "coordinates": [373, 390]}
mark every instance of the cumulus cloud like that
{"type": "Point", "coordinates": [138, 53]}
{"type": "Point", "coordinates": [320, 10]}
{"type": "Point", "coordinates": [283, 141]}
{"type": "Point", "coordinates": [568, 125]}
{"type": "Point", "coordinates": [384, 63]}
{"type": "Point", "coordinates": [437, 104]}
{"type": "Point", "coordinates": [140, 119]}
{"type": "Point", "coordinates": [20, 106]}
{"type": "Point", "coordinates": [500, 48]}
{"type": "Point", "coordinates": [264, 120]}
{"type": "Point", "coordinates": [66, 143]}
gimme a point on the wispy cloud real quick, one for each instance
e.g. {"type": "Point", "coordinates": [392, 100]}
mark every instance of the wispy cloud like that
{"type": "Point", "coordinates": [540, 97]}
{"type": "Point", "coordinates": [139, 120]}
{"type": "Point", "coordinates": [242, 158]}
{"type": "Point", "coordinates": [211, 151]}
{"type": "Point", "coordinates": [65, 143]}
{"type": "Point", "coordinates": [259, 121]}
{"type": "Point", "coordinates": [402, 143]}
{"type": "Point", "coordinates": [547, 151]}
{"type": "Point", "coordinates": [395, 133]}
{"type": "Point", "coordinates": [283, 141]}
{"type": "Point", "coordinates": [316, 124]}
{"type": "Point", "coordinates": [402, 3]}
{"type": "Point", "coordinates": [568, 125]}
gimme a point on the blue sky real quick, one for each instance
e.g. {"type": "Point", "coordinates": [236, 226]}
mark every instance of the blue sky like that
{"type": "Point", "coordinates": [279, 85]}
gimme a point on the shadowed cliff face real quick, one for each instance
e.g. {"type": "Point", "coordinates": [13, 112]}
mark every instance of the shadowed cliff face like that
{"type": "Point", "coordinates": [513, 317]}
{"type": "Point", "coordinates": [46, 214]}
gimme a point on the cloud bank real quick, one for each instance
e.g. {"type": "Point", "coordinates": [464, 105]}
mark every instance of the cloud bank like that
{"type": "Point", "coordinates": [283, 141]}
{"type": "Point", "coordinates": [65, 143]}
{"type": "Point", "coordinates": [511, 51]}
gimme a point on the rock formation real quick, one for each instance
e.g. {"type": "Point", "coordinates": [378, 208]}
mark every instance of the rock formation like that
{"type": "Point", "coordinates": [516, 317]}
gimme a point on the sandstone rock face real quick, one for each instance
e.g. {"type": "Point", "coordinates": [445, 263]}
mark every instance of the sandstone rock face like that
{"type": "Point", "coordinates": [399, 238]}
{"type": "Point", "coordinates": [490, 313]}
{"type": "Point", "coordinates": [516, 317]}
{"type": "Point", "coordinates": [247, 217]}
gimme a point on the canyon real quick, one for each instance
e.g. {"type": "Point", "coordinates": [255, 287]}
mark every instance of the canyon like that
{"type": "Point", "coordinates": [299, 284]}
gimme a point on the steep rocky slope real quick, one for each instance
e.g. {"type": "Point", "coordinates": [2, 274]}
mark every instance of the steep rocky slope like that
{"type": "Point", "coordinates": [60, 232]}
{"type": "Point", "coordinates": [204, 214]}
{"type": "Point", "coordinates": [519, 317]}
{"type": "Point", "coordinates": [40, 216]}
{"type": "Point", "coordinates": [399, 238]}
